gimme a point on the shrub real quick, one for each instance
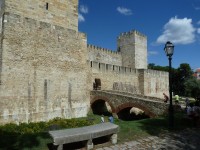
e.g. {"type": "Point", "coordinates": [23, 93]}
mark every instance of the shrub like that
{"type": "Point", "coordinates": [37, 127]}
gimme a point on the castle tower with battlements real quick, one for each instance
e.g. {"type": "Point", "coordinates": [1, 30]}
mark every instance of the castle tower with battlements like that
{"type": "Point", "coordinates": [133, 48]}
{"type": "Point", "coordinates": [47, 69]}
{"type": "Point", "coordinates": [43, 67]}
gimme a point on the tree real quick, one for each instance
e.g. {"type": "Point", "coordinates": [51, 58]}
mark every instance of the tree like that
{"type": "Point", "coordinates": [192, 87]}
{"type": "Point", "coordinates": [157, 67]}
{"type": "Point", "coordinates": [181, 74]}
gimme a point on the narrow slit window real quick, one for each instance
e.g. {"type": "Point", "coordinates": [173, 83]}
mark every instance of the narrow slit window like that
{"type": "Point", "coordinates": [91, 64]}
{"type": "Point", "coordinates": [45, 89]}
{"type": "Point", "coordinates": [47, 6]}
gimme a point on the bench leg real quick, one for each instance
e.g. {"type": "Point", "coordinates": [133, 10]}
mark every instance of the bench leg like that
{"type": "Point", "coordinates": [58, 147]}
{"type": "Point", "coordinates": [90, 145]}
{"type": "Point", "coordinates": [114, 139]}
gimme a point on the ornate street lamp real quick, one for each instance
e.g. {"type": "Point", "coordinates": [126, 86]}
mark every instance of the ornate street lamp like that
{"type": "Point", "coordinates": [169, 49]}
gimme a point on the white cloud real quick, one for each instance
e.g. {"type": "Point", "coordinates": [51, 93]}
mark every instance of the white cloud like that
{"type": "Point", "coordinates": [198, 22]}
{"type": "Point", "coordinates": [197, 8]}
{"type": "Point", "coordinates": [124, 11]}
{"type": "Point", "coordinates": [179, 31]}
{"type": "Point", "coordinates": [81, 18]}
{"type": "Point", "coordinates": [83, 9]}
{"type": "Point", "coordinates": [198, 30]}
{"type": "Point", "coordinates": [152, 53]}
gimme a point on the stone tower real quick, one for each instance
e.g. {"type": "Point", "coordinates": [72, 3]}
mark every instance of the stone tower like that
{"type": "Point", "coordinates": [133, 48]}
{"type": "Point", "coordinates": [62, 13]}
{"type": "Point", "coordinates": [43, 69]}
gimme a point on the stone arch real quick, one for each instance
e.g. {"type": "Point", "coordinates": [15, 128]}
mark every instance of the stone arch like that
{"type": "Point", "coordinates": [96, 98]}
{"type": "Point", "coordinates": [145, 109]}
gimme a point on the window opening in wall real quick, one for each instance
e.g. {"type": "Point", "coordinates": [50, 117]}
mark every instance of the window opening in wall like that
{"type": "Point", "coordinates": [119, 68]}
{"type": "Point", "coordinates": [99, 65]}
{"type": "Point", "coordinates": [125, 69]}
{"type": "Point", "coordinates": [45, 89]}
{"type": "Point", "coordinates": [98, 84]}
{"type": "Point", "coordinates": [47, 6]}
{"type": "Point", "coordinates": [130, 69]}
{"type": "Point", "coordinates": [113, 67]}
{"type": "Point", "coordinates": [91, 64]}
{"type": "Point", "coordinates": [106, 66]}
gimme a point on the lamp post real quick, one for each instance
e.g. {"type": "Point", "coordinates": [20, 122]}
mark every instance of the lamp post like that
{"type": "Point", "coordinates": [169, 49]}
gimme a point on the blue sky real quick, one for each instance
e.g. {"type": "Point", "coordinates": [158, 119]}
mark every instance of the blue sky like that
{"type": "Point", "coordinates": [177, 21]}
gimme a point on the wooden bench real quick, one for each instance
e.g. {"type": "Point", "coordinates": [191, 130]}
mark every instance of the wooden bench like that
{"type": "Point", "coordinates": [87, 133]}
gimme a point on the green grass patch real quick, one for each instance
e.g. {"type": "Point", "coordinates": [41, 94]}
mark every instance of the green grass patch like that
{"type": "Point", "coordinates": [34, 136]}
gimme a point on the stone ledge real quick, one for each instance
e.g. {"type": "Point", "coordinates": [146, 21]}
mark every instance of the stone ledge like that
{"type": "Point", "coordinates": [83, 133]}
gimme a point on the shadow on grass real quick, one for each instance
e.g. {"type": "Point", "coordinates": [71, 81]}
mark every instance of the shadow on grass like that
{"type": "Point", "coordinates": [128, 130]}
{"type": "Point", "coordinates": [11, 141]}
{"type": "Point", "coordinates": [132, 130]}
{"type": "Point", "coordinates": [156, 125]}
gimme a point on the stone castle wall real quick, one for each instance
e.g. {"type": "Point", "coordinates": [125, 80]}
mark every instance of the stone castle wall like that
{"type": "Point", "coordinates": [115, 77]}
{"type": "Point", "coordinates": [155, 83]}
{"type": "Point", "coordinates": [63, 13]}
{"type": "Point", "coordinates": [43, 71]}
{"type": "Point", "coordinates": [47, 69]}
{"type": "Point", "coordinates": [103, 55]}
{"type": "Point", "coordinates": [131, 54]}
{"type": "Point", "coordinates": [137, 81]}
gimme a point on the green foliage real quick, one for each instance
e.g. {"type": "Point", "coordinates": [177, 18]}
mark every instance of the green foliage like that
{"type": "Point", "coordinates": [192, 87]}
{"type": "Point", "coordinates": [157, 67]}
{"type": "Point", "coordinates": [32, 136]}
{"type": "Point", "coordinates": [38, 127]}
{"type": "Point", "coordinates": [10, 127]}
{"type": "Point", "coordinates": [69, 123]}
{"type": "Point", "coordinates": [180, 76]}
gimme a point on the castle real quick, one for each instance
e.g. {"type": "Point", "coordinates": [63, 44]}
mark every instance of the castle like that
{"type": "Point", "coordinates": [47, 69]}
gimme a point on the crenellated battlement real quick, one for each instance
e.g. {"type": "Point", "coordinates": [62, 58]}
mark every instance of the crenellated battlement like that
{"type": "Point", "coordinates": [97, 48]}
{"type": "Point", "coordinates": [126, 34]}
{"type": "Point", "coordinates": [103, 55]}
{"type": "Point", "coordinates": [44, 59]}
{"type": "Point", "coordinates": [102, 67]}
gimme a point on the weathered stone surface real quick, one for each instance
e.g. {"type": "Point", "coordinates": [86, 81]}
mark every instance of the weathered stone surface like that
{"type": "Point", "coordinates": [43, 67]}
{"type": "Point", "coordinates": [47, 69]}
{"type": "Point", "coordinates": [62, 13]}
{"type": "Point", "coordinates": [133, 47]}
{"type": "Point", "coordinates": [84, 133]}
{"type": "Point", "coordinates": [102, 55]}
{"type": "Point", "coordinates": [119, 101]}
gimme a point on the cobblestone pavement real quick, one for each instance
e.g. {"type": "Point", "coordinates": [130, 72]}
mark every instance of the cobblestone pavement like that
{"type": "Point", "coordinates": [188, 139]}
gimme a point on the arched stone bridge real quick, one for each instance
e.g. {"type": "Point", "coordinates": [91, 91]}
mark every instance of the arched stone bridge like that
{"type": "Point", "coordinates": [119, 101]}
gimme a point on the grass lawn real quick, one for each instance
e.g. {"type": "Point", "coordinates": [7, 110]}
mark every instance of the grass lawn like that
{"type": "Point", "coordinates": [128, 130]}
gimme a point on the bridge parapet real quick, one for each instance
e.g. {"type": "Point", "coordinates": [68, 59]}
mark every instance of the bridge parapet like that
{"type": "Point", "coordinates": [135, 95]}
{"type": "Point", "coordinates": [119, 101]}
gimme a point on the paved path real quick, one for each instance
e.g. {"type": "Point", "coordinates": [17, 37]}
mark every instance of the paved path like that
{"type": "Point", "coordinates": [188, 139]}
